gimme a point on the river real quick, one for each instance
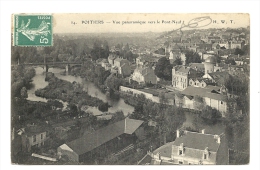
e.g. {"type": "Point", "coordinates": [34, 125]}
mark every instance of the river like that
{"type": "Point", "coordinates": [39, 82]}
{"type": "Point", "coordinates": [116, 105]}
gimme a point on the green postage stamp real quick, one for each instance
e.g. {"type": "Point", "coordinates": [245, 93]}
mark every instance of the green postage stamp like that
{"type": "Point", "coordinates": [32, 30]}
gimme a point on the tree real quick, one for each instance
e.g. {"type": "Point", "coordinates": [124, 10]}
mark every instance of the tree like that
{"type": "Point", "coordinates": [162, 98]}
{"type": "Point", "coordinates": [163, 69]}
{"type": "Point", "coordinates": [24, 93]}
{"type": "Point", "coordinates": [127, 47]}
{"type": "Point", "coordinates": [55, 103]}
{"type": "Point", "coordinates": [103, 107]}
{"type": "Point", "coordinates": [119, 115]}
{"type": "Point", "coordinates": [129, 56]}
{"type": "Point", "coordinates": [113, 82]}
{"type": "Point", "coordinates": [246, 49]}
{"type": "Point", "coordinates": [239, 51]}
{"type": "Point", "coordinates": [198, 102]}
{"type": "Point", "coordinates": [210, 115]}
{"type": "Point", "coordinates": [170, 119]}
{"type": "Point", "coordinates": [192, 57]}
{"type": "Point", "coordinates": [160, 51]}
{"type": "Point", "coordinates": [177, 61]}
{"type": "Point", "coordinates": [73, 110]}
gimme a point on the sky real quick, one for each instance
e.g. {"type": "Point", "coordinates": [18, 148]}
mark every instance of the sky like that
{"type": "Point", "coordinates": [155, 22]}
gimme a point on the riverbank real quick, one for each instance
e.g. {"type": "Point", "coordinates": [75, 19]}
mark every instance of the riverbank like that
{"type": "Point", "coordinates": [66, 91]}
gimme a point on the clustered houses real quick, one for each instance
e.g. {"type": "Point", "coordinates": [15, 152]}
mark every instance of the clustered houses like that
{"type": "Point", "coordinates": [190, 148]}
{"type": "Point", "coordinates": [144, 60]}
{"type": "Point", "coordinates": [117, 65]}
{"type": "Point", "coordinates": [207, 84]}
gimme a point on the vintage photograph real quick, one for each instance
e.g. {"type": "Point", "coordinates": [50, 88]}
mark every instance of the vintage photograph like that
{"type": "Point", "coordinates": [130, 89]}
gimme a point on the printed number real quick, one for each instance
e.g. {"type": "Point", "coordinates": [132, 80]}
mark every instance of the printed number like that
{"type": "Point", "coordinates": [43, 40]}
{"type": "Point", "coordinates": [44, 17]}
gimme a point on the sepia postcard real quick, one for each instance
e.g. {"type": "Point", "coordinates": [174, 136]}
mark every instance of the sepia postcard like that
{"type": "Point", "coordinates": [130, 89]}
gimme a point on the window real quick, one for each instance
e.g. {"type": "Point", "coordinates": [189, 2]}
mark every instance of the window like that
{"type": "Point", "coordinates": [180, 162]}
{"type": "Point", "coordinates": [205, 156]}
{"type": "Point", "coordinates": [41, 136]}
{"type": "Point", "coordinates": [34, 138]}
{"type": "Point", "coordinates": [221, 102]}
{"type": "Point", "coordinates": [180, 152]}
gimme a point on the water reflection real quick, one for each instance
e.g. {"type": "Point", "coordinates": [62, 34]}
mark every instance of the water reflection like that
{"type": "Point", "coordinates": [39, 82]}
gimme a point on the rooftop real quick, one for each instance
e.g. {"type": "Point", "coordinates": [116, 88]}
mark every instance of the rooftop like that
{"type": "Point", "coordinates": [165, 150]}
{"type": "Point", "coordinates": [204, 92]}
{"type": "Point", "coordinates": [198, 141]}
{"type": "Point", "coordinates": [103, 135]}
{"type": "Point", "coordinates": [210, 59]}
{"type": "Point", "coordinates": [34, 130]}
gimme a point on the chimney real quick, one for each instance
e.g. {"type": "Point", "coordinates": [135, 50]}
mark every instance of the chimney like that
{"type": "Point", "coordinates": [217, 137]}
{"type": "Point", "coordinates": [177, 133]}
{"type": "Point", "coordinates": [203, 131]}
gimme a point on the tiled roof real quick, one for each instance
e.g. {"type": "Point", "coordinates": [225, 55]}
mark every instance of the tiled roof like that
{"type": "Point", "coordinates": [199, 66]}
{"type": "Point", "coordinates": [145, 160]}
{"type": "Point", "coordinates": [194, 153]}
{"type": "Point", "coordinates": [165, 150]}
{"type": "Point", "coordinates": [144, 70]}
{"type": "Point", "coordinates": [219, 77]}
{"type": "Point", "coordinates": [184, 69]}
{"type": "Point", "coordinates": [204, 92]}
{"type": "Point", "coordinates": [101, 136]}
{"type": "Point", "coordinates": [198, 141]}
{"type": "Point", "coordinates": [131, 125]}
{"type": "Point", "coordinates": [34, 130]}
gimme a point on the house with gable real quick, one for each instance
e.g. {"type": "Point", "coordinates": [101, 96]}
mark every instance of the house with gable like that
{"type": "Point", "coordinates": [218, 78]}
{"type": "Point", "coordinates": [144, 75]}
{"type": "Point", "coordinates": [191, 148]}
{"type": "Point", "coordinates": [118, 65]}
{"type": "Point", "coordinates": [34, 136]}
{"type": "Point", "coordinates": [181, 76]}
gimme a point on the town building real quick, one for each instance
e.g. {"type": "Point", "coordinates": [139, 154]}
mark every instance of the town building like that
{"type": "Point", "coordinates": [103, 142]}
{"type": "Point", "coordinates": [145, 60]}
{"type": "Point", "coordinates": [200, 82]}
{"type": "Point", "coordinates": [181, 76]}
{"type": "Point", "coordinates": [197, 66]}
{"type": "Point", "coordinates": [213, 96]}
{"type": "Point", "coordinates": [33, 137]}
{"type": "Point", "coordinates": [119, 65]}
{"type": "Point", "coordinates": [209, 64]}
{"type": "Point", "coordinates": [218, 77]}
{"type": "Point", "coordinates": [144, 75]}
{"type": "Point", "coordinates": [192, 148]}
{"type": "Point", "coordinates": [175, 55]}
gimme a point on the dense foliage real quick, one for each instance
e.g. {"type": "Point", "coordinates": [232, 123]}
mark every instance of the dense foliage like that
{"type": "Point", "coordinates": [66, 91]}
{"type": "Point", "coordinates": [163, 69]}
{"type": "Point", "coordinates": [192, 57]}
